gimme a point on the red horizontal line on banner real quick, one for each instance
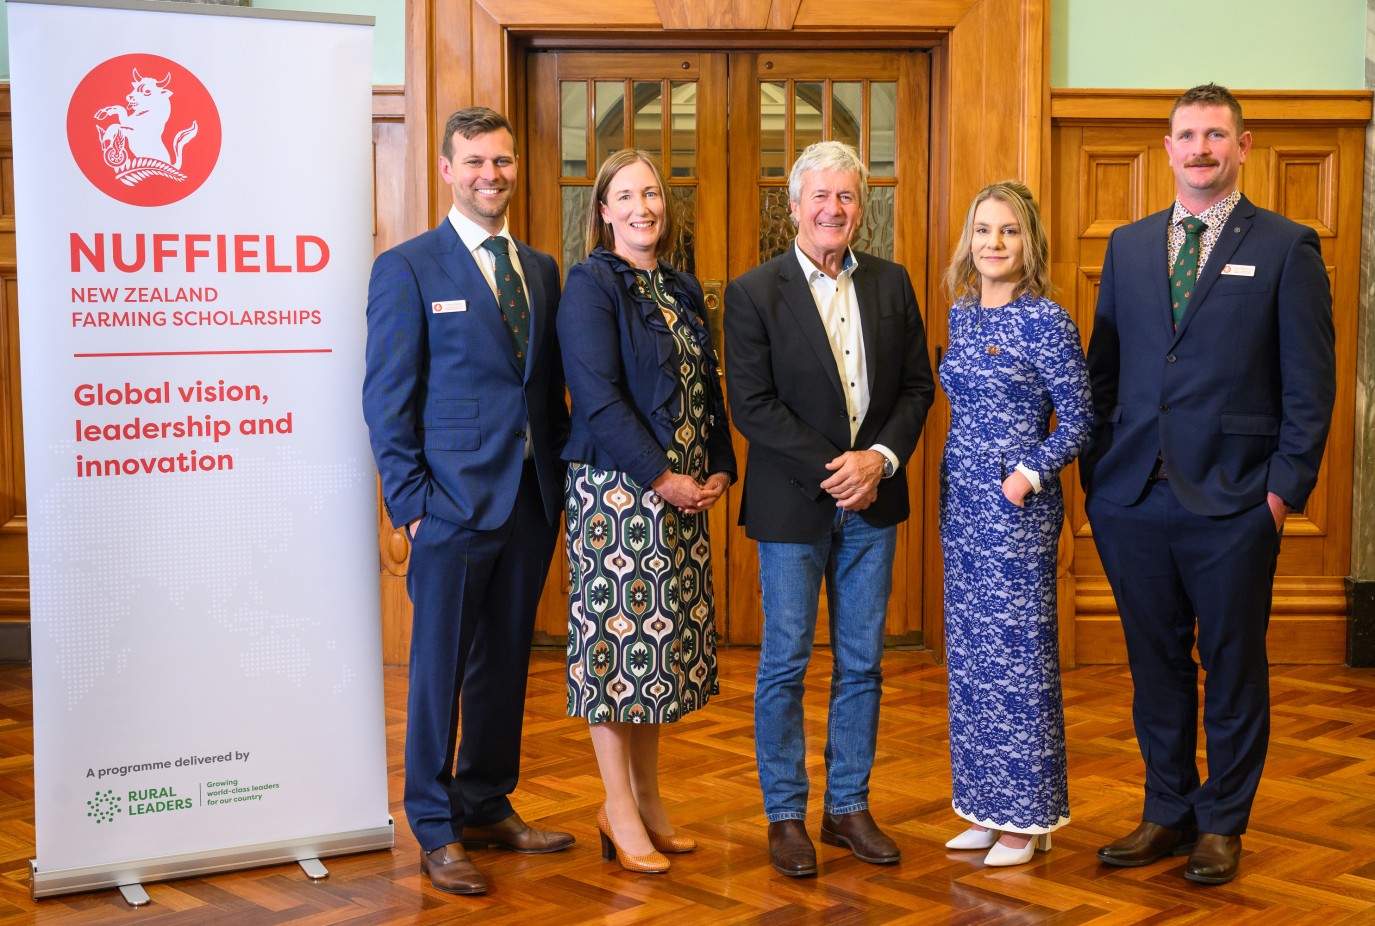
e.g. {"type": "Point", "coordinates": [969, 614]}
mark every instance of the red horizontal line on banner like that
{"type": "Point", "coordinates": [203, 353]}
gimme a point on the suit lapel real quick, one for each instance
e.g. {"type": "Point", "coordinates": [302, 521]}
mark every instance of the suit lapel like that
{"type": "Point", "coordinates": [1229, 239]}
{"type": "Point", "coordinates": [1158, 249]}
{"type": "Point", "coordinates": [867, 295]}
{"type": "Point", "coordinates": [459, 266]}
{"type": "Point", "coordinates": [534, 295]}
{"type": "Point", "coordinates": [797, 296]}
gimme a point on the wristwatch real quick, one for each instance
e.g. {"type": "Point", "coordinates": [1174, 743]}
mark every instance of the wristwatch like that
{"type": "Point", "coordinates": [888, 469]}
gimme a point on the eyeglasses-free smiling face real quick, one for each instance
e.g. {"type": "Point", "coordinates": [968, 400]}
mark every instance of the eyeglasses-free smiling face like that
{"type": "Point", "coordinates": [995, 245]}
{"type": "Point", "coordinates": [1206, 154]}
{"type": "Point", "coordinates": [634, 208]}
{"type": "Point", "coordinates": [482, 175]}
{"type": "Point", "coordinates": [828, 212]}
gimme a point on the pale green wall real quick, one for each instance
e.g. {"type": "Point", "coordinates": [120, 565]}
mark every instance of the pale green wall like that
{"type": "Point", "coordinates": [388, 38]}
{"type": "Point", "coordinates": [1244, 44]}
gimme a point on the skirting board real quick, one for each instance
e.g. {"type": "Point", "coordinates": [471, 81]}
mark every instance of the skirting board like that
{"type": "Point", "coordinates": [143, 871]}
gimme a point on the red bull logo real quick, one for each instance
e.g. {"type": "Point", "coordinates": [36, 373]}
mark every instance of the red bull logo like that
{"type": "Point", "coordinates": [144, 130]}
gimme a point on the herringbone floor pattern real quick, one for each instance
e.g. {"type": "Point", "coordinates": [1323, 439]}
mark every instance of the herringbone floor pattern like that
{"type": "Point", "coordinates": [1310, 853]}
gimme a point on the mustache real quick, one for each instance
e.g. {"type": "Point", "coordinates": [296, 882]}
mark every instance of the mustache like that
{"type": "Point", "coordinates": [1201, 162]}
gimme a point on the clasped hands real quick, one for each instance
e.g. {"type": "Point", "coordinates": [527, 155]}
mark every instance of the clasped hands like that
{"type": "Point", "coordinates": [854, 479]}
{"type": "Point", "coordinates": [687, 494]}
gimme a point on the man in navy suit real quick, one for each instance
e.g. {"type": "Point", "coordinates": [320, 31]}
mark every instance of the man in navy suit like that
{"type": "Point", "coordinates": [1213, 379]}
{"type": "Point", "coordinates": [829, 380]}
{"type": "Point", "coordinates": [464, 399]}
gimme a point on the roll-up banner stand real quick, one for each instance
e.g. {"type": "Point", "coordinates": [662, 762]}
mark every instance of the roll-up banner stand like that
{"type": "Point", "coordinates": [193, 199]}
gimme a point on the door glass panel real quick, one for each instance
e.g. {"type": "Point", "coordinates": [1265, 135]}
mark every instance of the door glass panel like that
{"type": "Point", "coordinates": [773, 129]}
{"type": "Point", "coordinates": [649, 117]}
{"type": "Point", "coordinates": [610, 119]}
{"type": "Point", "coordinates": [573, 127]}
{"type": "Point", "coordinates": [684, 253]}
{"type": "Point", "coordinates": [883, 121]}
{"type": "Point", "coordinates": [683, 129]}
{"type": "Point", "coordinates": [847, 112]}
{"type": "Point", "coordinates": [807, 106]}
{"type": "Point", "coordinates": [576, 200]}
{"type": "Point", "coordinates": [875, 234]}
{"type": "Point", "coordinates": [776, 229]}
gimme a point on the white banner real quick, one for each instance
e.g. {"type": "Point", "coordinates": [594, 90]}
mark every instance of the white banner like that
{"type": "Point", "coordinates": [194, 211]}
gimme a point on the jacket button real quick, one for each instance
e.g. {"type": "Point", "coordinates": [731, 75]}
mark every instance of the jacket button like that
{"type": "Point", "coordinates": [1164, 409]}
{"type": "Point", "coordinates": [520, 435]}
{"type": "Point", "coordinates": [1169, 358]}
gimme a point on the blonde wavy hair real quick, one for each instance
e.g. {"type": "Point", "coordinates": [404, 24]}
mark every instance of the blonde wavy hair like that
{"type": "Point", "coordinates": [962, 278]}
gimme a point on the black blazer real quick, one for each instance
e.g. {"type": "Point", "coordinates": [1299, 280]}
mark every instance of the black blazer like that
{"type": "Point", "coordinates": [1238, 400]}
{"type": "Point", "coordinates": [786, 398]}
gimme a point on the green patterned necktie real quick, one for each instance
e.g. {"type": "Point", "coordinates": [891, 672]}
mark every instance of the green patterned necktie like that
{"type": "Point", "coordinates": [515, 311]}
{"type": "Point", "coordinates": [1185, 273]}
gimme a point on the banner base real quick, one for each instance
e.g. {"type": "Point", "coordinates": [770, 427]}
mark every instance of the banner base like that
{"type": "Point", "coordinates": [194, 864]}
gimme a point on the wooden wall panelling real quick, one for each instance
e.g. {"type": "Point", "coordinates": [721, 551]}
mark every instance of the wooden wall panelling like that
{"type": "Point", "coordinates": [14, 553]}
{"type": "Point", "coordinates": [1110, 168]}
{"type": "Point", "coordinates": [989, 57]}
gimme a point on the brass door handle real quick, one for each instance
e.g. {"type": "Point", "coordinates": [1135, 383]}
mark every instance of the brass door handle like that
{"type": "Point", "coordinates": [711, 298]}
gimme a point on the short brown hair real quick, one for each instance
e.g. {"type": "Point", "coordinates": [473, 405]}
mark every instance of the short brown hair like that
{"type": "Point", "coordinates": [599, 233]}
{"type": "Point", "coordinates": [1210, 95]}
{"type": "Point", "coordinates": [962, 279]}
{"type": "Point", "coordinates": [472, 122]}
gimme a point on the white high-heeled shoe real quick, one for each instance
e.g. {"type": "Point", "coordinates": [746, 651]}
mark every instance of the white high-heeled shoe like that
{"type": "Point", "coordinates": [973, 839]}
{"type": "Point", "coordinates": [1001, 856]}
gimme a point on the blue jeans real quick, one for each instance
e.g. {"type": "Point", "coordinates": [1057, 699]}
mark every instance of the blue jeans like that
{"type": "Point", "coordinates": [857, 563]}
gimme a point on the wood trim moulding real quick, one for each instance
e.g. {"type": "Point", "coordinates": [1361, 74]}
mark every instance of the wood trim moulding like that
{"type": "Point", "coordinates": [742, 14]}
{"type": "Point", "coordinates": [1294, 595]}
{"type": "Point", "coordinates": [1078, 106]}
{"type": "Point", "coordinates": [389, 103]}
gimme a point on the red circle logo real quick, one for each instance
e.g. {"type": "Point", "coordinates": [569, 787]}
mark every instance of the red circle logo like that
{"type": "Point", "coordinates": [144, 130]}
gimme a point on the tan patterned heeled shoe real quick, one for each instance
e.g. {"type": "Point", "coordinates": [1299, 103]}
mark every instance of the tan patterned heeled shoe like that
{"type": "Point", "coordinates": [675, 843]}
{"type": "Point", "coordinates": [653, 863]}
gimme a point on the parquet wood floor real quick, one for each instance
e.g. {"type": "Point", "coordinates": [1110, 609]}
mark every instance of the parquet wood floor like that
{"type": "Point", "coordinates": [1310, 854]}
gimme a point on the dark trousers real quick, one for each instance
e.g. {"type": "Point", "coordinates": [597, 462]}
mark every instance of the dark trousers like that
{"type": "Point", "coordinates": [1171, 571]}
{"type": "Point", "coordinates": [475, 595]}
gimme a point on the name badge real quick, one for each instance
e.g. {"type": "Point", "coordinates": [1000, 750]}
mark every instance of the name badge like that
{"type": "Point", "coordinates": [453, 305]}
{"type": "Point", "coordinates": [1239, 270]}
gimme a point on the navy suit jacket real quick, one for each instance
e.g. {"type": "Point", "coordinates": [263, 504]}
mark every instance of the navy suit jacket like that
{"type": "Point", "coordinates": [445, 400]}
{"type": "Point", "coordinates": [786, 398]}
{"type": "Point", "coordinates": [1238, 400]}
{"type": "Point", "coordinates": [622, 375]}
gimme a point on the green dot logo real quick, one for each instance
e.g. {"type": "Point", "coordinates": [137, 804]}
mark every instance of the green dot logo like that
{"type": "Point", "coordinates": [103, 807]}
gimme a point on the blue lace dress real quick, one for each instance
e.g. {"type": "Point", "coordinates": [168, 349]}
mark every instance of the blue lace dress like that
{"type": "Point", "coordinates": [1007, 369]}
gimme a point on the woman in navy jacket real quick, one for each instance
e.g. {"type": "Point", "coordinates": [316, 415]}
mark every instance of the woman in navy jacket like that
{"type": "Point", "coordinates": [649, 454]}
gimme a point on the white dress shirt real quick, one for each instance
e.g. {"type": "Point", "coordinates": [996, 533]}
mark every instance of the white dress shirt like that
{"type": "Point", "coordinates": [839, 310]}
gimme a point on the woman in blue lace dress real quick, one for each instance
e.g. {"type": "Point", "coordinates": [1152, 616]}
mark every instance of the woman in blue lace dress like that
{"type": "Point", "coordinates": [1014, 358]}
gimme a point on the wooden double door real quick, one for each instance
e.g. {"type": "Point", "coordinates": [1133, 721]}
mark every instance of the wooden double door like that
{"type": "Point", "coordinates": [727, 126]}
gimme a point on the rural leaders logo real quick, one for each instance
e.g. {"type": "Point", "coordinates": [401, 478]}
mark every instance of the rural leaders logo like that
{"type": "Point", "coordinates": [103, 807]}
{"type": "Point", "coordinates": [144, 130]}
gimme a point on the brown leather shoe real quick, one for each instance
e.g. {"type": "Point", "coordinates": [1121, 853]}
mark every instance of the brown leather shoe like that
{"type": "Point", "coordinates": [790, 849]}
{"type": "Point", "coordinates": [860, 834]}
{"type": "Point", "coordinates": [1145, 844]}
{"type": "Point", "coordinates": [513, 833]}
{"type": "Point", "coordinates": [1215, 860]}
{"type": "Point", "coordinates": [450, 870]}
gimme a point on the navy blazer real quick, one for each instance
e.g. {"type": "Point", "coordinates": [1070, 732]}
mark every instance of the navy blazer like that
{"type": "Point", "coordinates": [622, 374]}
{"type": "Point", "coordinates": [1238, 400]}
{"type": "Point", "coordinates": [786, 396]}
{"type": "Point", "coordinates": [445, 400]}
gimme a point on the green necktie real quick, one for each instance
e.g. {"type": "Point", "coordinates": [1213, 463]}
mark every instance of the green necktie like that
{"type": "Point", "coordinates": [1185, 272]}
{"type": "Point", "coordinates": [515, 311]}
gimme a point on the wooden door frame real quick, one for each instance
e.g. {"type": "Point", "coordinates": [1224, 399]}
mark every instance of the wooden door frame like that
{"type": "Point", "coordinates": [990, 94]}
